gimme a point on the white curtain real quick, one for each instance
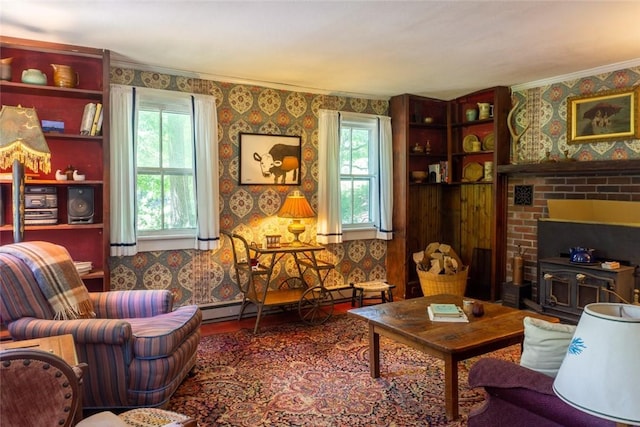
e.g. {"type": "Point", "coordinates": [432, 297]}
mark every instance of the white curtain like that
{"type": "Point", "coordinates": [207, 175]}
{"type": "Point", "coordinates": [385, 200]}
{"type": "Point", "coordinates": [122, 179]}
{"type": "Point", "coordinates": [124, 104]}
{"type": "Point", "coordinates": [329, 227]}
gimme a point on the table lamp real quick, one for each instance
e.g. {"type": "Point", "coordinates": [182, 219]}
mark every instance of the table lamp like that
{"type": "Point", "coordinates": [21, 144]}
{"type": "Point", "coordinates": [296, 206]}
{"type": "Point", "coordinates": [600, 374]}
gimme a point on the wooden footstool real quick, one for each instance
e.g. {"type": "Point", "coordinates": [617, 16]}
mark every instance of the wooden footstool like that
{"type": "Point", "coordinates": [362, 288]}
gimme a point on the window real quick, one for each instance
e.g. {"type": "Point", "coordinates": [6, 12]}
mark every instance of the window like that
{"type": "Point", "coordinates": [165, 193]}
{"type": "Point", "coordinates": [355, 170]}
{"type": "Point", "coordinates": [358, 171]}
{"type": "Point", "coordinates": [159, 199]}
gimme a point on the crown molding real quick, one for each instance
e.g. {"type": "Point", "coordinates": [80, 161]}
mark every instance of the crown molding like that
{"type": "Point", "coordinates": [123, 63]}
{"type": "Point", "coordinates": [577, 75]}
{"type": "Point", "coordinates": [120, 62]}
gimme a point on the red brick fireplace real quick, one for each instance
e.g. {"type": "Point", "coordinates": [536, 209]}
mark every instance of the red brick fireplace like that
{"type": "Point", "coordinates": [611, 180]}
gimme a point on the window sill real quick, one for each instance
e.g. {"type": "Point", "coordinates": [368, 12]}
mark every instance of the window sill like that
{"type": "Point", "coordinates": [358, 234]}
{"type": "Point", "coordinates": [165, 243]}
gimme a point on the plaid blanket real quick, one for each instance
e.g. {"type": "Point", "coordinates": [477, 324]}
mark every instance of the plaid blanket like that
{"type": "Point", "coordinates": [56, 276]}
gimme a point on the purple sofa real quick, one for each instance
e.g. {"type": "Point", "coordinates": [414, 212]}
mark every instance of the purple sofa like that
{"type": "Point", "coordinates": [520, 397]}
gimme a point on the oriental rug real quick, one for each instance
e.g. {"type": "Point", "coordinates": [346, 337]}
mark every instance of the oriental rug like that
{"type": "Point", "coordinates": [300, 375]}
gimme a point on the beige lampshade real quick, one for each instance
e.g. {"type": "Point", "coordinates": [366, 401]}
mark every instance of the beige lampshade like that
{"type": "Point", "coordinates": [21, 139]}
{"type": "Point", "coordinates": [296, 206]}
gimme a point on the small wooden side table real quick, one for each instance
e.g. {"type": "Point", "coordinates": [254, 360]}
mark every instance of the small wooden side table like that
{"type": "Point", "coordinates": [62, 346]}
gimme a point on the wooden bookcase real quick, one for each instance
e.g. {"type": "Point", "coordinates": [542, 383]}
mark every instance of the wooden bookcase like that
{"type": "Point", "coordinates": [416, 206]}
{"type": "Point", "coordinates": [465, 211]}
{"type": "Point", "coordinates": [88, 154]}
{"type": "Point", "coordinates": [475, 223]}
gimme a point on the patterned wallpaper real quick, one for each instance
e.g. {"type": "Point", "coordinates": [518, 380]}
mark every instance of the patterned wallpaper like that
{"type": "Point", "coordinates": [203, 277]}
{"type": "Point", "coordinates": [546, 109]}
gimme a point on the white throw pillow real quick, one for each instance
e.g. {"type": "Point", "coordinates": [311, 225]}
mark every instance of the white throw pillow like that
{"type": "Point", "coordinates": [545, 345]}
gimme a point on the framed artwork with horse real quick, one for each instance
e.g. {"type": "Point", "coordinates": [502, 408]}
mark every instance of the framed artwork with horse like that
{"type": "Point", "coordinates": [269, 159]}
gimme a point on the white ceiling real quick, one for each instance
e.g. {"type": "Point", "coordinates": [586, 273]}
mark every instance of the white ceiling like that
{"type": "Point", "coordinates": [377, 49]}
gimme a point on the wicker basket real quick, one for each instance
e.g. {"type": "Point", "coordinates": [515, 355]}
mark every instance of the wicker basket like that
{"type": "Point", "coordinates": [435, 284]}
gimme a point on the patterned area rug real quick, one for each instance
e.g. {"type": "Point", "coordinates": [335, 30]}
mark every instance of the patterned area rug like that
{"type": "Point", "coordinates": [300, 375]}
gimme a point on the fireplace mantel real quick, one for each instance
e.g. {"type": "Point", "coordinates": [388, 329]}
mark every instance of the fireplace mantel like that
{"type": "Point", "coordinates": [617, 167]}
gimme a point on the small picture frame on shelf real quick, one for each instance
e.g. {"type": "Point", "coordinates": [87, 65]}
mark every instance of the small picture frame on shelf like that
{"type": "Point", "coordinates": [52, 126]}
{"type": "Point", "coordinates": [603, 116]}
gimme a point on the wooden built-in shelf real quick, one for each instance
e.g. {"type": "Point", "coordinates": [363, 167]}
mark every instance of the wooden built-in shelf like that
{"type": "Point", "coordinates": [472, 122]}
{"type": "Point", "coordinates": [473, 153]}
{"type": "Point", "coordinates": [9, 227]}
{"type": "Point", "coordinates": [55, 182]}
{"type": "Point", "coordinates": [45, 90]}
{"type": "Point", "coordinates": [93, 274]}
{"type": "Point", "coordinates": [88, 154]}
{"type": "Point", "coordinates": [440, 126]}
{"type": "Point", "coordinates": [54, 135]}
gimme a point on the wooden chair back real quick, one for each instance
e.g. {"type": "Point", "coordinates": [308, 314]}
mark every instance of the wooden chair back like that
{"type": "Point", "coordinates": [39, 389]}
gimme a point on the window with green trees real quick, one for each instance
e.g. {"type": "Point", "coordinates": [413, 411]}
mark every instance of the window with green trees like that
{"type": "Point", "coordinates": [358, 138]}
{"type": "Point", "coordinates": [165, 193]}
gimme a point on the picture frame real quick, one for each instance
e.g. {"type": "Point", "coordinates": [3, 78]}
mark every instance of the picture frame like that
{"type": "Point", "coordinates": [603, 116]}
{"type": "Point", "coordinates": [269, 159]}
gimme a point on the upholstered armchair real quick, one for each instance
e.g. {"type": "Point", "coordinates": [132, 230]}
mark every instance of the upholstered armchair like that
{"type": "Point", "coordinates": [136, 347]}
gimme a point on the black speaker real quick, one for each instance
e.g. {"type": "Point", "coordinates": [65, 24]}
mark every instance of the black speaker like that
{"type": "Point", "coordinates": [80, 205]}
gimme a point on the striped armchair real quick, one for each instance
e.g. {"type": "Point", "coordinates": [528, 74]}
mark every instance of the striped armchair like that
{"type": "Point", "coordinates": [138, 350]}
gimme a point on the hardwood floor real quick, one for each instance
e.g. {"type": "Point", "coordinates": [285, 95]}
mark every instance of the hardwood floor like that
{"type": "Point", "coordinates": [266, 321]}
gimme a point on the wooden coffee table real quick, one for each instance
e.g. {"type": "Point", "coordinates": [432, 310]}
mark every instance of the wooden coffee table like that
{"type": "Point", "coordinates": [408, 322]}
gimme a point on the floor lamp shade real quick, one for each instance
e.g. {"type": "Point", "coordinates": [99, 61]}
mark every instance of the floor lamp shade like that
{"type": "Point", "coordinates": [22, 144]}
{"type": "Point", "coordinates": [600, 373]}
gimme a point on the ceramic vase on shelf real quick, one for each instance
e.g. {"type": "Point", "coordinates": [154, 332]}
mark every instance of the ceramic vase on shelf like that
{"type": "Point", "coordinates": [5, 68]}
{"type": "Point", "coordinates": [472, 114]}
{"type": "Point", "coordinates": [64, 76]}
{"type": "Point", "coordinates": [34, 77]}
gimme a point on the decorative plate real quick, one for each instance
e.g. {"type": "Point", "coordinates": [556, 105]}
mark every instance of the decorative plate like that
{"type": "Point", "coordinates": [488, 142]}
{"type": "Point", "coordinates": [467, 143]}
{"type": "Point", "coordinates": [472, 172]}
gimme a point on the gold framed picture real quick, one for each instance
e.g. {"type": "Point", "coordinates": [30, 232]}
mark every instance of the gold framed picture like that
{"type": "Point", "coordinates": [603, 116]}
